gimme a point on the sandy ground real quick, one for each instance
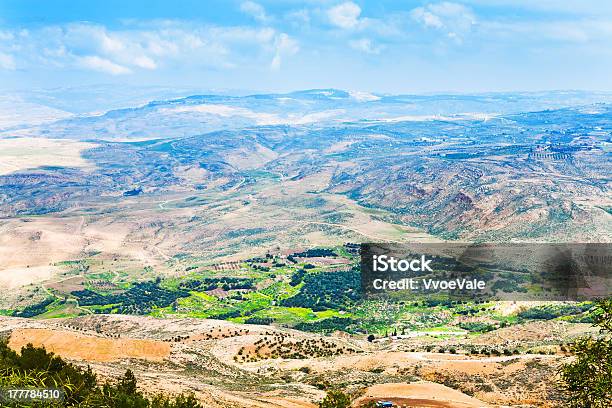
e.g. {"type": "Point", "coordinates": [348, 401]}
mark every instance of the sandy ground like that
{"type": "Point", "coordinates": [39, 242]}
{"type": "Point", "coordinates": [88, 348]}
{"type": "Point", "coordinates": [12, 278]}
{"type": "Point", "coordinates": [14, 111]}
{"type": "Point", "coordinates": [28, 153]}
{"type": "Point", "coordinates": [32, 249]}
{"type": "Point", "coordinates": [202, 361]}
{"type": "Point", "coordinates": [420, 394]}
{"type": "Point", "coordinates": [391, 360]}
{"type": "Point", "coordinates": [289, 403]}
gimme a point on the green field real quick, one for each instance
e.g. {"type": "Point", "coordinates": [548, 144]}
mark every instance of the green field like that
{"type": "Point", "coordinates": [294, 291]}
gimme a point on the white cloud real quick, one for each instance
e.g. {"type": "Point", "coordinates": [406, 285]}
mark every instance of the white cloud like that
{"type": "Point", "coordinates": [276, 62]}
{"type": "Point", "coordinates": [284, 45]}
{"type": "Point", "coordinates": [298, 17]}
{"type": "Point", "coordinates": [137, 48]}
{"type": "Point", "coordinates": [365, 45]}
{"type": "Point", "coordinates": [6, 35]}
{"type": "Point", "coordinates": [103, 65]}
{"type": "Point", "coordinates": [240, 35]}
{"type": "Point", "coordinates": [255, 10]}
{"type": "Point", "coordinates": [144, 45]}
{"type": "Point", "coordinates": [453, 19]}
{"type": "Point", "coordinates": [344, 15]}
{"type": "Point", "coordinates": [7, 62]}
{"type": "Point", "coordinates": [593, 8]}
{"type": "Point", "coordinates": [579, 32]}
{"type": "Point", "coordinates": [427, 18]}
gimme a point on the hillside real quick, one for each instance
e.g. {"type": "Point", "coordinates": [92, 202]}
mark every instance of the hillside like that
{"type": "Point", "coordinates": [202, 359]}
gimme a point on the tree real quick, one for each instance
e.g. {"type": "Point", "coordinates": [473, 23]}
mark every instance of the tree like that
{"type": "Point", "coordinates": [127, 383]}
{"type": "Point", "coordinates": [588, 379]}
{"type": "Point", "coordinates": [335, 399]}
{"type": "Point", "coordinates": [37, 368]}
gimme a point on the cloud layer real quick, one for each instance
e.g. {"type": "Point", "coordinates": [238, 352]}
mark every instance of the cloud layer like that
{"type": "Point", "coordinates": [329, 36]}
{"type": "Point", "coordinates": [144, 46]}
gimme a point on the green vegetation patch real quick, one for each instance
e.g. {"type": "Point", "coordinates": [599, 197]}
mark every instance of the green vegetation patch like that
{"type": "Point", "coordinates": [329, 325]}
{"type": "Point", "coordinates": [35, 309]}
{"type": "Point", "coordinates": [327, 290]}
{"type": "Point", "coordinates": [141, 298]}
{"type": "Point", "coordinates": [549, 312]}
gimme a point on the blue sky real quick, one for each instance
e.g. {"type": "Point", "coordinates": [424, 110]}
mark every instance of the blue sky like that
{"type": "Point", "coordinates": [279, 45]}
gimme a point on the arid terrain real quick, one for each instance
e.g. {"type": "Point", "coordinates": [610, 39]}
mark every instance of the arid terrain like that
{"type": "Point", "coordinates": [200, 355]}
{"type": "Point", "coordinates": [212, 243]}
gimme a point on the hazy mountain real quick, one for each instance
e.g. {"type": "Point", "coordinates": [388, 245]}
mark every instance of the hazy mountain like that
{"type": "Point", "coordinates": [169, 118]}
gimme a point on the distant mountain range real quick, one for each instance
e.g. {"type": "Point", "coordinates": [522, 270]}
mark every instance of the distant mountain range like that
{"type": "Point", "coordinates": [55, 116]}
{"type": "Point", "coordinates": [492, 166]}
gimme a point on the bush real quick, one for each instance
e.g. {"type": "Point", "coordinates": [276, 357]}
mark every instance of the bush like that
{"type": "Point", "coordinates": [477, 326]}
{"type": "Point", "coordinates": [335, 399]}
{"type": "Point", "coordinates": [549, 312]}
{"type": "Point", "coordinates": [588, 379]}
{"type": "Point", "coordinates": [35, 367]}
{"type": "Point", "coordinates": [330, 324]}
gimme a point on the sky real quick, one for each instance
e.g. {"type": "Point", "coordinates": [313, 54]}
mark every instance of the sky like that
{"type": "Point", "coordinates": [386, 46]}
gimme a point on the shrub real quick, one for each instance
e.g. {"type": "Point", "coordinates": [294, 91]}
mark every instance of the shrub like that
{"type": "Point", "coordinates": [335, 399]}
{"type": "Point", "coordinates": [477, 326]}
{"type": "Point", "coordinates": [35, 367]}
{"type": "Point", "coordinates": [588, 379]}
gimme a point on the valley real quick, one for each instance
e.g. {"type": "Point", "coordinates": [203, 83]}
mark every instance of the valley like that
{"type": "Point", "coordinates": [211, 243]}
